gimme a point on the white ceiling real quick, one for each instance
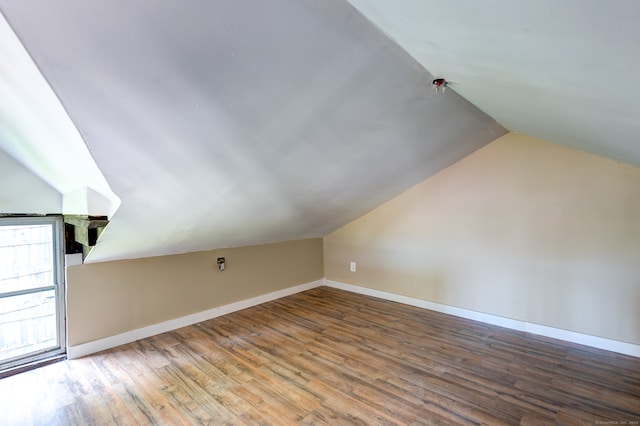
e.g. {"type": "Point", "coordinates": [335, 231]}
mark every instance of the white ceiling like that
{"type": "Point", "coordinates": [566, 71]}
{"type": "Point", "coordinates": [36, 130]}
{"type": "Point", "coordinates": [233, 123]}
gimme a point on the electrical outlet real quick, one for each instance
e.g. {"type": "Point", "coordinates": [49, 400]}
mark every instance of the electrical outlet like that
{"type": "Point", "coordinates": [352, 267]}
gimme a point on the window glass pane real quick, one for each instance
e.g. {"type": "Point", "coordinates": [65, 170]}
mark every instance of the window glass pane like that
{"type": "Point", "coordinates": [26, 257]}
{"type": "Point", "coordinates": [27, 323]}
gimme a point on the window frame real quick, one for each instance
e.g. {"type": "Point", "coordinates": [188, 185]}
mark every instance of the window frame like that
{"type": "Point", "coordinates": [59, 287]}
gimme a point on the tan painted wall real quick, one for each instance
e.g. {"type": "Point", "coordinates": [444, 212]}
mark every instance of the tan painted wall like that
{"type": "Point", "coordinates": [105, 299]}
{"type": "Point", "coordinates": [522, 229]}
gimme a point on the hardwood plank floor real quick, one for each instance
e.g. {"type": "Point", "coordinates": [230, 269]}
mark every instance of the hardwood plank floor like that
{"type": "Point", "coordinates": [328, 356]}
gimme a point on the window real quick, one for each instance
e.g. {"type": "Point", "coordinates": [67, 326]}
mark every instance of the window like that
{"type": "Point", "coordinates": [32, 320]}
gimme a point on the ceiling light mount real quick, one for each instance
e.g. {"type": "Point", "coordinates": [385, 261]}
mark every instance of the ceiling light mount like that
{"type": "Point", "coordinates": [440, 83]}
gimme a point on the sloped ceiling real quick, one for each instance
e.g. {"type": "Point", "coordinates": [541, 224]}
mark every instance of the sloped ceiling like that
{"type": "Point", "coordinates": [564, 71]}
{"type": "Point", "coordinates": [36, 131]}
{"type": "Point", "coordinates": [223, 123]}
{"type": "Point", "coordinates": [232, 123]}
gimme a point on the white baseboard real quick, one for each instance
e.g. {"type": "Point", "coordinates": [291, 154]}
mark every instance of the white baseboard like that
{"type": "Point", "coordinates": [541, 330]}
{"type": "Point", "coordinates": [84, 349]}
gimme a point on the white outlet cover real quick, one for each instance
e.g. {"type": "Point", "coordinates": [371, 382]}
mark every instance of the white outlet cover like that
{"type": "Point", "coordinates": [352, 267]}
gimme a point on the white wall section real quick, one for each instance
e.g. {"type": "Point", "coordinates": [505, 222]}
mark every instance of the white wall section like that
{"type": "Point", "coordinates": [22, 192]}
{"type": "Point", "coordinates": [36, 131]}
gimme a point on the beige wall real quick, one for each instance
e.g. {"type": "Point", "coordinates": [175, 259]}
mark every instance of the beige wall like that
{"type": "Point", "coordinates": [522, 229]}
{"type": "Point", "coordinates": [105, 299]}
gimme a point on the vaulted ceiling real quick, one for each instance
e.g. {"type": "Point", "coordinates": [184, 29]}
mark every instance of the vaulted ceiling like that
{"type": "Point", "coordinates": [565, 71]}
{"type": "Point", "coordinates": [216, 123]}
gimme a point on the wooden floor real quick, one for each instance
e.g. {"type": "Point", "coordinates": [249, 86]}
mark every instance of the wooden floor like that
{"type": "Point", "coordinates": [327, 356]}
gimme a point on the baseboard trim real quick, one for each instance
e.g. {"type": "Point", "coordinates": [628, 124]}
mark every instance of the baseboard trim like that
{"type": "Point", "coordinates": [541, 330]}
{"type": "Point", "coordinates": [84, 349]}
